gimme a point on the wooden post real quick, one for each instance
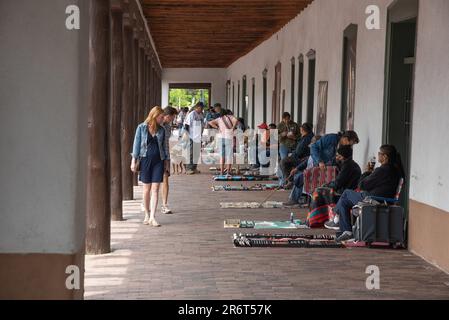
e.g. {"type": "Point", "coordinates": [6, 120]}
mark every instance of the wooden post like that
{"type": "Point", "coordinates": [127, 113]}
{"type": "Point", "coordinates": [98, 228]}
{"type": "Point", "coordinates": [153, 86]}
{"type": "Point", "coordinates": [150, 91]}
{"type": "Point", "coordinates": [141, 85]}
{"type": "Point", "coordinates": [158, 88]}
{"type": "Point", "coordinates": [115, 110]}
{"type": "Point", "coordinates": [137, 120]}
{"type": "Point", "coordinates": [144, 84]}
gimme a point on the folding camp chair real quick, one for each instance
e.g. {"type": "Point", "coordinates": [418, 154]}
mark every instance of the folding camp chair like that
{"type": "Point", "coordinates": [387, 201]}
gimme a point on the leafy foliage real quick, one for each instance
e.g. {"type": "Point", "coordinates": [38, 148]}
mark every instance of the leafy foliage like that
{"type": "Point", "coordinates": [188, 97]}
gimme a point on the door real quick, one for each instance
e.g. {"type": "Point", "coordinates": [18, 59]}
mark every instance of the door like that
{"type": "Point", "coordinates": [276, 108]}
{"type": "Point", "coordinates": [311, 86]}
{"type": "Point", "coordinates": [399, 90]}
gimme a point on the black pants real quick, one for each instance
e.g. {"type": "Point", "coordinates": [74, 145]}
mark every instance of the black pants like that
{"type": "Point", "coordinates": [194, 159]}
{"type": "Point", "coordinates": [287, 166]}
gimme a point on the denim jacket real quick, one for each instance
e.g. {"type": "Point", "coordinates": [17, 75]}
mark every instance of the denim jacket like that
{"type": "Point", "coordinates": [140, 146]}
{"type": "Point", "coordinates": [325, 149]}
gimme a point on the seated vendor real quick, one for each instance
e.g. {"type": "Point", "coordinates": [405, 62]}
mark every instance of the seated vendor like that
{"type": "Point", "coordinates": [349, 171]}
{"type": "Point", "coordinates": [301, 153]}
{"type": "Point", "coordinates": [381, 182]}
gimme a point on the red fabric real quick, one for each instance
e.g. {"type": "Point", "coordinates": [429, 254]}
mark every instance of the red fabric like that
{"type": "Point", "coordinates": [316, 177]}
{"type": "Point", "coordinates": [318, 217]}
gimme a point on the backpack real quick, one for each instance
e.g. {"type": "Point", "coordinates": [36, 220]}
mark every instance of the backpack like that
{"type": "Point", "coordinates": [320, 207]}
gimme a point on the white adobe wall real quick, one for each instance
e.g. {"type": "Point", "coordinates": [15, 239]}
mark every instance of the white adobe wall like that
{"type": "Point", "coordinates": [43, 127]}
{"type": "Point", "coordinates": [320, 27]}
{"type": "Point", "coordinates": [215, 76]}
{"type": "Point", "coordinates": [430, 151]}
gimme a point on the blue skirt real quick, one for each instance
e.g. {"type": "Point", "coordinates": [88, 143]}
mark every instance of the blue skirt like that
{"type": "Point", "coordinates": [152, 167]}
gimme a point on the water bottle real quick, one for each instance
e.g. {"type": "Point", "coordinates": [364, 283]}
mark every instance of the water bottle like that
{"type": "Point", "coordinates": [372, 162]}
{"type": "Point", "coordinates": [292, 217]}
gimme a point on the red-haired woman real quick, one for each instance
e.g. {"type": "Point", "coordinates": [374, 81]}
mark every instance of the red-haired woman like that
{"type": "Point", "coordinates": [150, 152]}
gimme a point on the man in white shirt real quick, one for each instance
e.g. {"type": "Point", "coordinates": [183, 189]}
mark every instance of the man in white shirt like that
{"type": "Point", "coordinates": [194, 126]}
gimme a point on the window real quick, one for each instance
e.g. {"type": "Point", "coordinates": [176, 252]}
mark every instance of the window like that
{"type": "Point", "coordinates": [238, 99]}
{"type": "Point", "coordinates": [349, 77]}
{"type": "Point", "coordinates": [322, 108]}
{"type": "Point", "coordinates": [300, 87]}
{"type": "Point", "coordinates": [253, 104]}
{"type": "Point", "coordinates": [228, 93]}
{"type": "Point", "coordinates": [233, 97]}
{"type": "Point", "coordinates": [265, 93]}
{"type": "Point", "coordinates": [292, 90]}
{"type": "Point", "coordinates": [311, 85]}
{"type": "Point", "coordinates": [244, 101]}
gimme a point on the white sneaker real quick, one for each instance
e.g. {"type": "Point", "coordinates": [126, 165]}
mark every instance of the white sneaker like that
{"type": "Point", "coordinates": [146, 221]}
{"type": "Point", "coordinates": [166, 210]}
{"type": "Point", "coordinates": [336, 219]}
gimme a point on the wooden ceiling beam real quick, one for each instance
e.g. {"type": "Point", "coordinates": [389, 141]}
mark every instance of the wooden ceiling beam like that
{"type": "Point", "coordinates": [206, 33]}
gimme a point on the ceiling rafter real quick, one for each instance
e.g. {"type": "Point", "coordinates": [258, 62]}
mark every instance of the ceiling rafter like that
{"type": "Point", "coordinates": [214, 33]}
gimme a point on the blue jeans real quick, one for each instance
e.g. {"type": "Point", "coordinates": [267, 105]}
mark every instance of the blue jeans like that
{"type": "Point", "coordinates": [281, 177]}
{"type": "Point", "coordinates": [283, 151]}
{"type": "Point", "coordinates": [347, 201]}
{"type": "Point", "coordinates": [296, 193]}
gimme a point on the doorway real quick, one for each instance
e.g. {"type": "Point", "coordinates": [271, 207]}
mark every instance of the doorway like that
{"type": "Point", "coordinates": [188, 94]}
{"type": "Point", "coordinates": [398, 108]}
{"type": "Point", "coordinates": [311, 86]}
{"type": "Point", "coordinates": [276, 108]}
{"type": "Point", "coordinates": [244, 100]}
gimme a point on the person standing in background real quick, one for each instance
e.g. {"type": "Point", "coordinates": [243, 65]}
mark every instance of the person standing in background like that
{"type": "Point", "coordinates": [169, 116]}
{"type": "Point", "coordinates": [194, 126]}
{"type": "Point", "coordinates": [180, 119]}
{"type": "Point", "coordinates": [289, 133]}
{"type": "Point", "coordinates": [226, 126]}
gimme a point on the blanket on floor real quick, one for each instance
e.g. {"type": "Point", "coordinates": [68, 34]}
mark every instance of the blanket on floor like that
{"type": "Point", "coordinates": [251, 205]}
{"type": "Point", "coordinates": [285, 241]}
{"type": "Point", "coordinates": [257, 187]}
{"type": "Point", "coordinates": [249, 224]}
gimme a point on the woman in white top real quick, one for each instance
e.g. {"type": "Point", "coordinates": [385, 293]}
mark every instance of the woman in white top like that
{"type": "Point", "coordinates": [226, 125]}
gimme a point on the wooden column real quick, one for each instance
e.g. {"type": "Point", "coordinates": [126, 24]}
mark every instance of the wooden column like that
{"type": "Point", "coordinates": [144, 84]}
{"type": "Point", "coordinates": [150, 91]}
{"type": "Point", "coordinates": [128, 126]}
{"type": "Point", "coordinates": [141, 86]}
{"type": "Point", "coordinates": [158, 88]}
{"type": "Point", "coordinates": [137, 120]}
{"type": "Point", "coordinates": [154, 86]}
{"type": "Point", "coordinates": [98, 228]}
{"type": "Point", "coordinates": [115, 110]}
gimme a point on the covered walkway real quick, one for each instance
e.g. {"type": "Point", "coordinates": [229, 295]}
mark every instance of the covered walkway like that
{"type": "Point", "coordinates": [192, 257]}
{"type": "Point", "coordinates": [78, 76]}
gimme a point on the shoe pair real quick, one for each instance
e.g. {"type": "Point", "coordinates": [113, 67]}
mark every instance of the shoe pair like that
{"type": "Point", "coordinates": [164, 209]}
{"type": "Point", "coordinates": [150, 222]}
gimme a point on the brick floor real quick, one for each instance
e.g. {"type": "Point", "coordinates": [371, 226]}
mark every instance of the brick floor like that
{"type": "Point", "coordinates": [192, 257]}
